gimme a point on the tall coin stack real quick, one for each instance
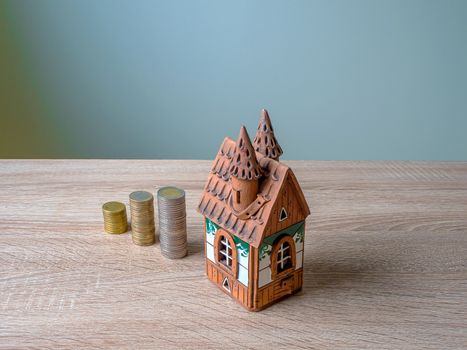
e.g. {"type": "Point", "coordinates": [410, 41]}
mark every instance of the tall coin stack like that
{"type": "Point", "coordinates": [172, 222]}
{"type": "Point", "coordinates": [142, 218]}
{"type": "Point", "coordinates": [115, 220]}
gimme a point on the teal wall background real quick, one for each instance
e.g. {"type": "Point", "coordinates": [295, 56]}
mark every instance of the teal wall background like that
{"type": "Point", "coordinates": [169, 79]}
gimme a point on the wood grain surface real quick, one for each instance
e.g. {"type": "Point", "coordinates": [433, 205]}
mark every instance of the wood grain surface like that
{"type": "Point", "coordinates": [385, 261]}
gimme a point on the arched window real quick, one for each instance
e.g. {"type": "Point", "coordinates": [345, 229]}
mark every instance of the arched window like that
{"type": "Point", "coordinates": [283, 257]}
{"type": "Point", "coordinates": [226, 252]}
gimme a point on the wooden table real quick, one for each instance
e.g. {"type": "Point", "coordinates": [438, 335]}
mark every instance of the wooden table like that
{"type": "Point", "coordinates": [385, 261]}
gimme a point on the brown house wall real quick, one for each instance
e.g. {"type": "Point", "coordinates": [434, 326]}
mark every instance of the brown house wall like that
{"type": "Point", "coordinates": [275, 290]}
{"type": "Point", "coordinates": [238, 291]}
{"type": "Point", "coordinates": [251, 297]}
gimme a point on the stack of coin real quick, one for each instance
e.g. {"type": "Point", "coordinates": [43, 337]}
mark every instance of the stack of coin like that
{"type": "Point", "coordinates": [172, 222]}
{"type": "Point", "coordinates": [142, 218]}
{"type": "Point", "coordinates": [115, 220]}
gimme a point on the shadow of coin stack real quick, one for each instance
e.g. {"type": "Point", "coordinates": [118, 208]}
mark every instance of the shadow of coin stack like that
{"type": "Point", "coordinates": [115, 219]}
{"type": "Point", "coordinates": [142, 218]}
{"type": "Point", "coordinates": [172, 222]}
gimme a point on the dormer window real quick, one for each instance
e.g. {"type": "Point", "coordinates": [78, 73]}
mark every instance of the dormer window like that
{"type": "Point", "coordinates": [283, 215]}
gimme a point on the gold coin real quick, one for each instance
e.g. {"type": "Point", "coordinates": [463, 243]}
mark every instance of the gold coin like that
{"type": "Point", "coordinates": [142, 218]}
{"type": "Point", "coordinates": [113, 207]}
{"type": "Point", "coordinates": [140, 196]}
{"type": "Point", "coordinates": [115, 219]}
{"type": "Point", "coordinates": [116, 230]}
{"type": "Point", "coordinates": [115, 226]}
{"type": "Point", "coordinates": [143, 243]}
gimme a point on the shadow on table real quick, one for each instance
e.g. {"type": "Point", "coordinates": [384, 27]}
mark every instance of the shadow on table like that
{"type": "Point", "coordinates": [347, 267]}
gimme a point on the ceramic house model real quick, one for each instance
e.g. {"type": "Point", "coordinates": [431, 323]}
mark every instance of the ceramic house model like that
{"type": "Point", "coordinates": [255, 216]}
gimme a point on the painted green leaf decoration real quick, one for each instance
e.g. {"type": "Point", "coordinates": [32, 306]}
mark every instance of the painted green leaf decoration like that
{"type": "Point", "coordinates": [211, 228]}
{"type": "Point", "coordinates": [265, 251]}
{"type": "Point", "coordinates": [243, 248]}
{"type": "Point", "coordinates": [299, 236]}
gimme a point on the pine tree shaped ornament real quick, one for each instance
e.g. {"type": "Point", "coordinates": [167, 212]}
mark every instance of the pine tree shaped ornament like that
{"type": "Point", "coordinates": [265, 141]}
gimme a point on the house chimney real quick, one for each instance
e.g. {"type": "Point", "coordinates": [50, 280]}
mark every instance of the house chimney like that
{"type": "Point", "coordinates": [265, 142]}
{"type": "Point", "coordinates": [244, 172]}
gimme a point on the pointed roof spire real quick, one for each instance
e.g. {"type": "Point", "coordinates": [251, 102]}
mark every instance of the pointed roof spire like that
{"type": "Point", "coordinates": [265, 142]}
{"type": "Point", "coordinates": [244, 165]}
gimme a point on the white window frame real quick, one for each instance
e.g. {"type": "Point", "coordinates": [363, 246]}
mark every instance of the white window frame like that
{"type": "Point", "coordinates": [228, 257]}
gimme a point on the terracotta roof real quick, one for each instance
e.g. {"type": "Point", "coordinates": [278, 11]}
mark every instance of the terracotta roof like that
{"type": "Point", "coordinates": [265, 142]}
{"type": "Point", "coordinates": [214, 201]}
{"type": "Point", "coordinates": [243, 164]}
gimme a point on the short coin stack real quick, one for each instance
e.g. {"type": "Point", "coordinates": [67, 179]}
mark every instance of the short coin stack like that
{"type": "Point", "coordinates": [172, 222]}
{"type": "Point", "coordinates": [115, 220]}
{"type": "Point", "coordinates": [142, 218]}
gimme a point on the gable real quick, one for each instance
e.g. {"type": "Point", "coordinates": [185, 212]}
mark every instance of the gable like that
{"type": "Point", "coordinates": [289, 208]}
